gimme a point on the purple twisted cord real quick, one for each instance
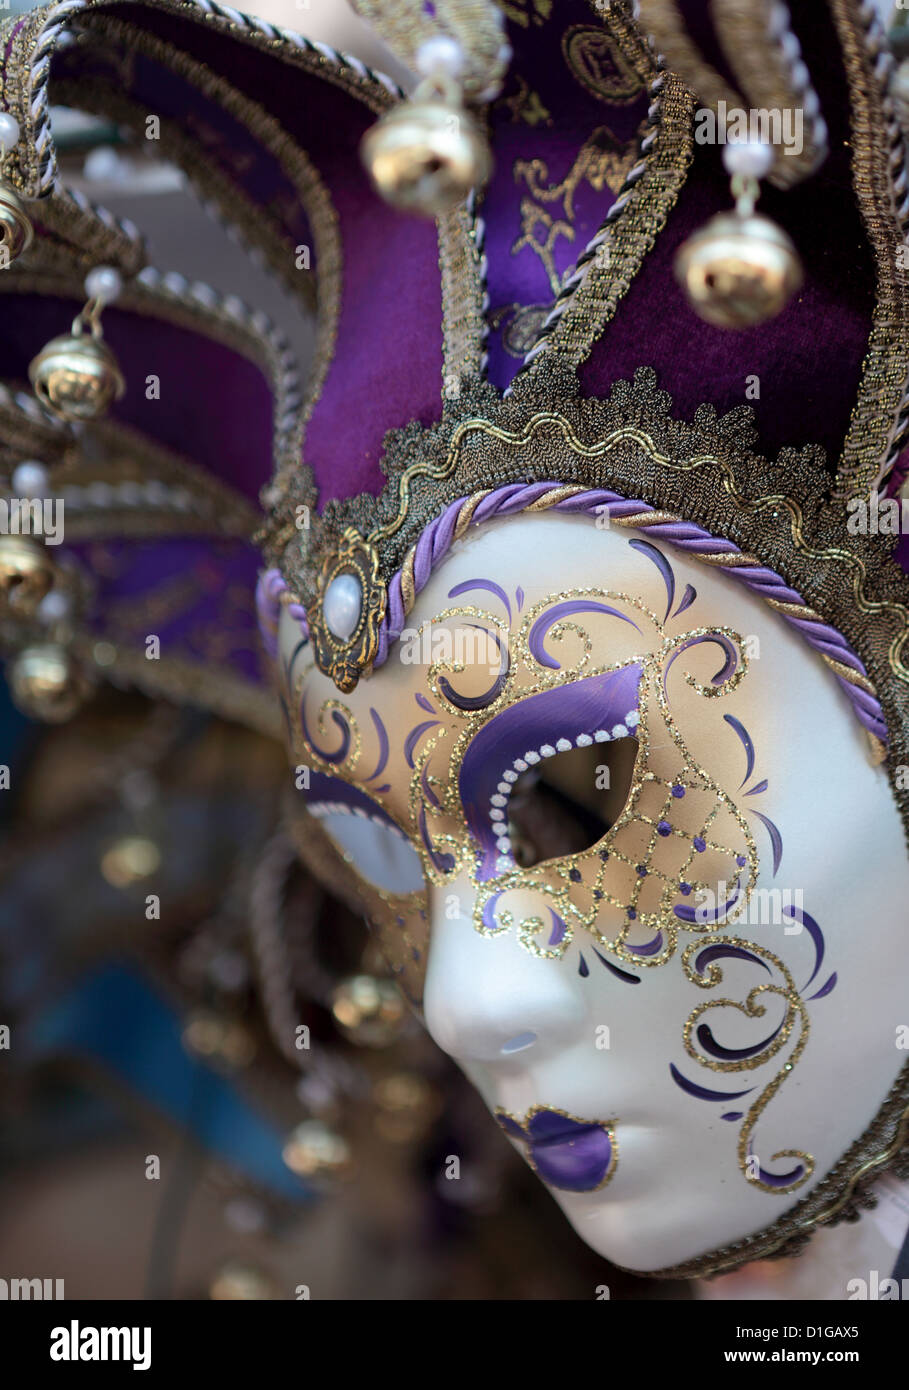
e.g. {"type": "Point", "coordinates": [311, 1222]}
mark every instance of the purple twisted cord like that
{"type": "Point", "coordinates": [436, 539]}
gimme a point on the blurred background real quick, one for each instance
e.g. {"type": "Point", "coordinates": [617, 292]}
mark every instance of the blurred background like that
{"type": "Point", "coordinates": [157, 1139]}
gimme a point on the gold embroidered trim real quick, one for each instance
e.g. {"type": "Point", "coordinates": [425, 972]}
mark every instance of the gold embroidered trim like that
{"type": "Point", "coordinates": [475, 25]}
{"type": "Point", "coordinates": [463, 318]}
{"type": "Point", "coordinates": [886, 366]}
{"type": "Point", "coordinates": [623, 243]}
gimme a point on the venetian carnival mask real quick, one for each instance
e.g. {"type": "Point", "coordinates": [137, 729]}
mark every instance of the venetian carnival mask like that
{"type": "Point", "coordinates": [595, 696]}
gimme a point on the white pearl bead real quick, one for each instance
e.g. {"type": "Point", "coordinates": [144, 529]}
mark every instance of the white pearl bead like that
{"type": "Point", "coordinates": [30, 479]}
{"type": "Point", "coordinates": [752, 158]}
{"type": "Point", "coordinates": [440, 55]}
{"type": "Point", "coordinates": [342, 604]}
{"type": "Point", "coordinates": [9, 132]}
{"type": "Point", "coordinates": [103, 283]}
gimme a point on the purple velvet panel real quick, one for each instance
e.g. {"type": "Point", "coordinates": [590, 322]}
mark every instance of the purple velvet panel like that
{"type": "Point", "coordinates": [215, 406]}
{"type": "Point", "coordinates": [575, 114]}
{"type": "Point", "coordinates": [205, 588]}
{"type": "Point", "coordinates": [809, 358]}
{"type": "Point", "coordinates": [389, 344]}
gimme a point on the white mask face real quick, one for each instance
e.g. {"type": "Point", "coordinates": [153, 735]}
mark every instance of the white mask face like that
{"type": "Point", "coordinates": [621, 836]}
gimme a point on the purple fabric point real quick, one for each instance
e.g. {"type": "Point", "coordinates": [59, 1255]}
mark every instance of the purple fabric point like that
{"type": "Point", "coordinates": [685, 888]}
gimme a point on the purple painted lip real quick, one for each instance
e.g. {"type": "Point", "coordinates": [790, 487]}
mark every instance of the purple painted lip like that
{"type": "Point", "coordinates": [573, 1155]}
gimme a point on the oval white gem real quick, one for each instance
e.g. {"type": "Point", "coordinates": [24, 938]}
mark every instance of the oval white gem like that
{"type": "Point", "coordinates": [342, 604]}
{"type": "Point", "coordinates": [563, 745]}
{"type": "Point", "coordinates": [619, 731]}
{"type": "Point", "coordinates": [547, 750]}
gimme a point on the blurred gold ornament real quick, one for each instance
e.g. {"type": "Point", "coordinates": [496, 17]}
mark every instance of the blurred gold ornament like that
{"type": "Point", "coordinates": [26, 573]}
{"type": "Point", "coordinates": [738, 271]}
{"type": "Point", "coordinates": [47, 684]}
{"type": "Point", "coordinates": [315, 1151]}
{"type": "Point", "coordinates": [220, 1038]}
{"type": "Point", "coordinates": [236, 1282]}
{"type": "Point", "coordinates": [76, 376]}
{"type": "Point", "coordinates": [425, 155]}
{"type": "Point", "coordinates": [406, 1106]}
{"type": "Point", "coordinates": [368, 1011]}
{"type": "Point", "coordinates": [15, 226]}
{"type": "Point", "coordinates": [130, 860]}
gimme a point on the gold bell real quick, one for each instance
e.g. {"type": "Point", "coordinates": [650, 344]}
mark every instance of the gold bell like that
{"type": "Point", "coordinates": [46, 683]}
{"type": "Point", "coordinates": [313, 1150]}
{"type": "Point", "coordinates": [15, 225]}
{"type": "Point", "coordinates": [368, 1011]}
{"type": "Point", "coordinates": [738, 271]}
{"type": "Point", "coordinates": [425, 155]}
{"type": "Point", "coordinates": [76, 375]}
{"type": "Point", "coordinates": [26, 574]}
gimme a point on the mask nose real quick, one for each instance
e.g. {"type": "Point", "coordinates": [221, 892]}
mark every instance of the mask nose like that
{"type": "Point", "coordinates": [488, 999]}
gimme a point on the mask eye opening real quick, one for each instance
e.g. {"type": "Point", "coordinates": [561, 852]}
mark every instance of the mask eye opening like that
{"type": "Point", "coordinates": [567, 802]}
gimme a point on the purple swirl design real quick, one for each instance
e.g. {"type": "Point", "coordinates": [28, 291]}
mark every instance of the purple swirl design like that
{"type": "Point", "coordinates": [776, 839]}
{"type": "Point", "coordinates": [721, 950]}
{"type": "Point", "coordinates": [687, 600]}
{"type": "Point", "coordinates": [718, 639]}
{"type": "Point", "coordinates": [442, 862]}
{"type": "Point", "coordinates": [731, 1054]}
{"type": "Point", "coordinates": [559, 929]}
{"type": "Point", "coordinates": [649, 948]}
{"type": "Point", "coordinates": [798, 914]}
{"type": "Point", "coordinates": [475, 702]}
{"type": "Point", "coordinates": [547, 620]}
{"type": "Point", "coordinates": [826, 989]}
{"type": "Point", "coordinates": [747, 744]}
{"type": "Point", "coordinates": [715, 914]}
{"type": "Point", "coordinates": [382, 733]}
{"type": "Point", "coordinates": [413, 738]}
{"type": "Point", "coordinates": [701, 1092]}
{"type": "Point", "coordinates": [340, 722]}
{"type": "Point", "coordinates": [489, 585]}
{"type": "Point", "coordinates": [624, 975]}
{"type": "Point", "coordinates": [489, 913]}
{"type": "Point", "coordinates": [780, 1179]}
{"type": "Point", "coordinates": [664, 567]}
